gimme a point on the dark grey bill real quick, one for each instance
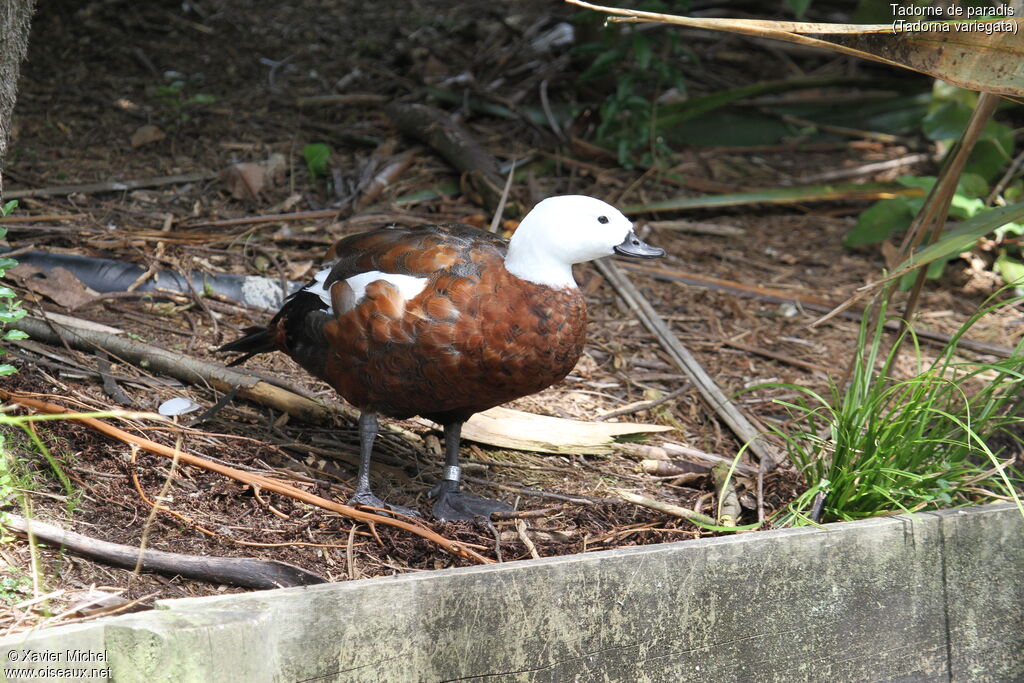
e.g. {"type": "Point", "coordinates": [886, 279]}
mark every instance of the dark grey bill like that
{"type": "Point", "coordinates": [634, 246]}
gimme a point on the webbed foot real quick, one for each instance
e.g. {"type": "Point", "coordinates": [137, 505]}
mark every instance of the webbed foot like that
{"type": "Point", "coordinates": [453, 505]}
{"type": "Point", "coordinates": [368, 499]}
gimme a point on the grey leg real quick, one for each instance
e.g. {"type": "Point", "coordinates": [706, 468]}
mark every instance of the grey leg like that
{"type": "Point", "coordinates": [451, 503]}
{"type": "Point", "coordinates": [368, 429]}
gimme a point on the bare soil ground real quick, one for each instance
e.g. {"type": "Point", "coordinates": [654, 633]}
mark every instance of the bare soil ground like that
{"type": "Point", "coordinates": [98, 73]}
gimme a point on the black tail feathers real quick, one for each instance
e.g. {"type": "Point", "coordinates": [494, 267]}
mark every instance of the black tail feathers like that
{"type": "Point", "coordinates": [256, 340]}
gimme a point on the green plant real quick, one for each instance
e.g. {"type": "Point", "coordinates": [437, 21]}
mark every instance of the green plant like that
{"type": "Point", "coordinates": [10, 306]}
{"type": "Point", "coordinates": [643, 65]}
{"type": "Point", "coordinates": [15, 585]}
{"type": "Point", "coordinates": [174, 97]}
{"type": "Point", "coordinates": [317, 155]}
{"type": "Point", "coordinates": [887, 217]}
{"type": "Point", "coordinates": [948, 114]}
{"type": "Point", "coordinates": [886, 444]}
{"type": "Point", "coordinates": [13, 472]}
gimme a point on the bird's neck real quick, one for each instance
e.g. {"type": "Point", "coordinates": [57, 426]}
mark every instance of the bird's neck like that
{"type": "Point", "coordinates": [531, 262]}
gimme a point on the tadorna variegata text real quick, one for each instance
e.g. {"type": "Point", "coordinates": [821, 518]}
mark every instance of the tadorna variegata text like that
{"type": "Point", "coordinates": [445, 321]}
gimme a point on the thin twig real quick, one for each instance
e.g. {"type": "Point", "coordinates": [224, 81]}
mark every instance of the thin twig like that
{"type": "Point", "coordinates": [175, 458]}
{"type": "Point", "coordinates": [707, 457]}
{"type": "Point", "coordinates": [667, 508]}
{"type": "Point", "coordinates": [728, 501]}
{"type": "Point", "coordinates": [525, 538]}
{"type": "Point", "coordinates": [350, 556]}
{"type": "Point", "coordinates": [864, 169]}
{"type": "Point", "coordinates": [1005, 181]}
{"type": "Point", "coordinates": [643, 405]}
{"type": "Point", "coordinates": [933, 216]}
{"type": "Point", "coordinates": [41, 218]}
{"type": "Point", "coordinates": [496, 221]}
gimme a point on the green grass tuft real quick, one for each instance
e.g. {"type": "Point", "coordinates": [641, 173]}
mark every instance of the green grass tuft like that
{"type": "Point", "coordinates": [945, 437]}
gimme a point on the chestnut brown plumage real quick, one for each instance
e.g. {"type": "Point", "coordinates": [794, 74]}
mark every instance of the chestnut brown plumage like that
{"type": "Point", "coordinates": [445, 321]}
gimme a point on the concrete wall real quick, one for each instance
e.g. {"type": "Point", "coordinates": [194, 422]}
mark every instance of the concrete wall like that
{"type": "Point", "coordinates": [936, 597]}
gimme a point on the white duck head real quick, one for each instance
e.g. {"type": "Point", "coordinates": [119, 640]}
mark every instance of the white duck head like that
{"type": "Point", "coordinates": [561, 231]}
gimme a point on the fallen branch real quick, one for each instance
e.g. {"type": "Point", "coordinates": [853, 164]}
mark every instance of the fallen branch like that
{"type": "Point", "coordinates": [181, 367]}
{"type": "Point", "coordinates": [685, 360]}
{"type": "Point", "coordinates": [255, 480]}
{"type": "Point", "coordinates": [247, 572]}
{"type": "Point", "coordinates": [456, 143]}
{"type": "Point", "coordinates": [387, 176]}
{"type": "Point", "coordinates": [863, 170]}
{"type": "Point", "coordinates": [679, 469]}
{"type": "Point", "coordinates": [110, 186]}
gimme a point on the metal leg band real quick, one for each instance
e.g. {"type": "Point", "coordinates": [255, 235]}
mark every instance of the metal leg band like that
{"type": "Point", "coordinates": [452, 473]}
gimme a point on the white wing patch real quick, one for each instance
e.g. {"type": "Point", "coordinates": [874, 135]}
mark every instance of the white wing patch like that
{"type": "Point", "coordinates": [317, 287]}
{"type": "Point", "coordinates": [407, 285]}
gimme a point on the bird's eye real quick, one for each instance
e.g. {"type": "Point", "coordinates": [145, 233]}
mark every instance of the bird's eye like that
{"type": "Point", "coordinates": [602, 219]}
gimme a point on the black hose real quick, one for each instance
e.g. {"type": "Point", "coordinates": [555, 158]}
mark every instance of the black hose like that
{"type": "Point", "coordinates": [107, 275]}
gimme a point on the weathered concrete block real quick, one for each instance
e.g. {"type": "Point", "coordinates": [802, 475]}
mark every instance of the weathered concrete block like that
{"type": "Point", "coordinates": [222, 645]}
{"type": "Point", "coordinates": [27, 656]}
{"type": "Point", "coordinates": [895, 599]}
{"type": "Point", "coordinates": [984, 582]}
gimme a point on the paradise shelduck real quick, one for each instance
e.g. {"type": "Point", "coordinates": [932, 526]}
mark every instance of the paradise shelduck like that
{"type": "Point", "coordinates": [445, 321]}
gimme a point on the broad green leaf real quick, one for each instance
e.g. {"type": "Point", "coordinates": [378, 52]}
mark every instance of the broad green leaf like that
{"type": "Point", "coordinates": [962, 237]}
{"type": "Point", "coordinates": [980, 55]}
{"type": "Point", "coordinates": [965, 207]}
{"type": "Point", "coordinates": [947, 121]}
{"type": "Point", "coordinates": [899, 115]}
{"type": "Point", "coordinates": [9, 316]}
{"type": "Point", "coordinates": [879, 221]}
{"type": "Point", "coordinates": [1010, 269]}
{"type": "Point", "coordinates": [988, 159]}
{"type": "Point", "coordinates": [1009, 229]}
{"type": "Point", "coordinates": [316, 156]}
{"type": "Point", "coordinates": [972, 185]}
